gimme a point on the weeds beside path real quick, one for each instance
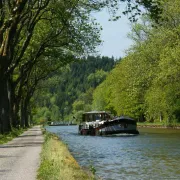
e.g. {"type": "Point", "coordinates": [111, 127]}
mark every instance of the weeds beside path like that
{"type": "Point", "coordinates": [4, 138]}
{"type": "Point", "coordinates": [57, 163]}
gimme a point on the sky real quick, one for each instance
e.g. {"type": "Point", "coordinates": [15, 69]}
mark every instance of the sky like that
{"type": "Point", "coordinates": [113, 35]}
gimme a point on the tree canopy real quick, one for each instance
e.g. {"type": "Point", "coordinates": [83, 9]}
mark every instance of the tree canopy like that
{"type": "Point", "coordinates": [38, 37]}
{"type": "Point", "coordinates": [145, 84]}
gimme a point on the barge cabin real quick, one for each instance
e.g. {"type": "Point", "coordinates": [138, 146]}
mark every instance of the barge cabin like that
{"type": "Point", "coordinates": [101, 123]}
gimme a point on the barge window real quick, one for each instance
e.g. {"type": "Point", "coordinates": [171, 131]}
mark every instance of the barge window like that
{"type": "Point", "coordinates": [97, 116]}
{"type": "Point", "coordinates": [88, 117]}
{"type": "Point", "coordinates": [106, 116]}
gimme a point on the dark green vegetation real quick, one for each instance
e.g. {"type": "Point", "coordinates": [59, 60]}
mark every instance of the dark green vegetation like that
{"type": "Point", "coordinates": [39, 37]}
{"type": "Point", "coordinates": [4, 138]}
{"type": "Point", "coordinates": [71, 93]}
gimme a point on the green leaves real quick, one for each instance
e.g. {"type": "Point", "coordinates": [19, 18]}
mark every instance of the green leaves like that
{"type": "Point", "coordinates": [96, 78]}
{"type": "Point", "coordinates": [145, 84]}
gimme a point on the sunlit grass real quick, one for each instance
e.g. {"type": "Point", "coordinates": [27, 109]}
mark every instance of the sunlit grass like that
{"type": "Point", "coordinates": [57, 163]}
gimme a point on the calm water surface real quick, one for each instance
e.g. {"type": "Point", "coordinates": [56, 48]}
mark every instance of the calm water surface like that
{"type": "Point", "coordinates": [154, 154]}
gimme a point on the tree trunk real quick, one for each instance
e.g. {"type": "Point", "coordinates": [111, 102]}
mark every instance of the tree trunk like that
{"type": "Point", "coordinates": [22, 114]}
{"type": "Point", "coordinates": [27, 110]}
{"type": "Point", "coordinates": [26, 119]}
{"type": "Point", "coordinates": [11, 97]}
{"type": "Point", "coordinates": [4, 107]}
{"type": "Point", "coordinates": [26, 114]}
{"type": "Point", "coordinates": [16, 118]}
{"type": "Point", "coordinates": [30, 119]}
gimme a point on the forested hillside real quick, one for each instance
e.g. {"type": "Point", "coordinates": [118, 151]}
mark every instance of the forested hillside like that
{"type": "Point", "coordinates": [146, 83]}
{"type": "Point", "coordinates": [69, 92]}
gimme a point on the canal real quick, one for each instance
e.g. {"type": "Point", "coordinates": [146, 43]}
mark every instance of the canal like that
{"type": "Point", "coordinates": [153, 154]}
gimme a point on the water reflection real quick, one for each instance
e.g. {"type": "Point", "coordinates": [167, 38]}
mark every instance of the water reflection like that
{"type": "Point", "coordinates": [154, 154]}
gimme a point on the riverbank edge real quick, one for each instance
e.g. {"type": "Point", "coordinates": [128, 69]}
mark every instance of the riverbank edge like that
{"type": "Point", "coordinates": [157, 126]}
{"type": "Point", "coordinates": [57, 162]}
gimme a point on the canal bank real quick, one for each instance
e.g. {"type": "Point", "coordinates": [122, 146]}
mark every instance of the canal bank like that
{"type": "Point", "coordinates": [162, 126]}
{"type": "Point", "coordinates": [153, 154]}
{"type": "Point", "coordinates": [58, 163]}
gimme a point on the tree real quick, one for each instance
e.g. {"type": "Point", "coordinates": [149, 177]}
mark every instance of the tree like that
{"type": "Point", "coordinates": [96, 78]}
{"type": "Point", "coordinates": [33, 31]}
{"type": "Point", "coordinates": [145, 84]}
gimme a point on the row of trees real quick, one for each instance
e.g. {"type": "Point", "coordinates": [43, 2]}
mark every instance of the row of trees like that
{"type": "Point", "coordinates": [38, 37]}
{"type": "Point", "coordinates": [146, 83]}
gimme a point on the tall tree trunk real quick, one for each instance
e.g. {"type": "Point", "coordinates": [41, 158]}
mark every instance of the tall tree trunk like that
{"type": "Point", "coordinates": [22, 114]}
{"type": "Point", "coordinates": [16, 118]}
{"type": "Point", "coordinates": [4, 107]}
{"type": "Point", "coordinates": [26, 113]}
{"type": "Point", "coordinates": [30, 119]}
{"type": "Point", "coordinates": [11, 97]}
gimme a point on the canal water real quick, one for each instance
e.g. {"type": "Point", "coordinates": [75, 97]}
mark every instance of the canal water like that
{"type": "Point", "coordinates": [154, 154]}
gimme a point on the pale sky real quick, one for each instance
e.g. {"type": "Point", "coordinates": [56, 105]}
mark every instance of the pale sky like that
{"type": "Point", "coordinates": [114, 35]}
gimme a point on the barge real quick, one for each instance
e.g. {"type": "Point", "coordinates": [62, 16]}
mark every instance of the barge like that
{"type": "Point", "coordinates": [101, 123]}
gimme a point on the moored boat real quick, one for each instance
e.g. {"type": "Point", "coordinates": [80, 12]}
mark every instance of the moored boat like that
{"type": "Point", "coordinates": [101, 123]}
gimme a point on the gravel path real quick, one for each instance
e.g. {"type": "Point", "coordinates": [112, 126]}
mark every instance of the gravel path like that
{"type": "Point", "coordinates": [20, 158]}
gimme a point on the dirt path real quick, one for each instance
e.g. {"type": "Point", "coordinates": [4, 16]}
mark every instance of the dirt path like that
{"type": "Point", "coordinates": [20, 158]}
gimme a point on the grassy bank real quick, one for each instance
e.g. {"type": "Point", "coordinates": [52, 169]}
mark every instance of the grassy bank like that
{"type": "Point", "coordinates": [57, 163]}
{"type": "Point", "coordinates": [158, 125]}
{"type": "Point", "coordinates": [4, 138]}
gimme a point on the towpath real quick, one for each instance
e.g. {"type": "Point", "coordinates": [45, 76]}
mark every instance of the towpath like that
{"type": "Point", "coordinates": [20, 158]}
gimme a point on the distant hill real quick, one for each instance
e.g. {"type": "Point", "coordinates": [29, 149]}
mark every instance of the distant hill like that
{"type": "Point", "coordinates": [73, 81]}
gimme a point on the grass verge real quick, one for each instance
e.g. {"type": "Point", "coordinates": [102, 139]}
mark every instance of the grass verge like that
{"type": "Point", "coordinates": [4, 138]}
{"type": "Point", "coordinates": [57, 163]}
{"type": "Point", "coordinates": [158, 124]}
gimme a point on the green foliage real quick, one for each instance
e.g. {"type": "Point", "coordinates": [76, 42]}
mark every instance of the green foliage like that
{"type": "Point", "coordinates": [38, 38]}
{"type": "Point", "coordinates": [68, 93]}
{"type": "Point", "coordinates": [102, 96]}
{"type": "Point", "coordinates": [78, 105]}
{"type": "Point", "coordinates": [9, 136]}
{"type": "Point", "coordinates": [96, 78]}
{"type": "Point", "coordinates": [145, 84]}
{"type": "Point", "coordinates": [78, 116]}
{"type": "Point", "coordinates": [92, 169]}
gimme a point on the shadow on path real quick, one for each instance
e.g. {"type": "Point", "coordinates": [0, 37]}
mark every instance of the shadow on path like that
{"type": "Point", "coordinates": [25, 144]}
{"type": "Point", "coordinates": [3, 156]}
{"type": "Point", "coordinates": [28, 135]}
